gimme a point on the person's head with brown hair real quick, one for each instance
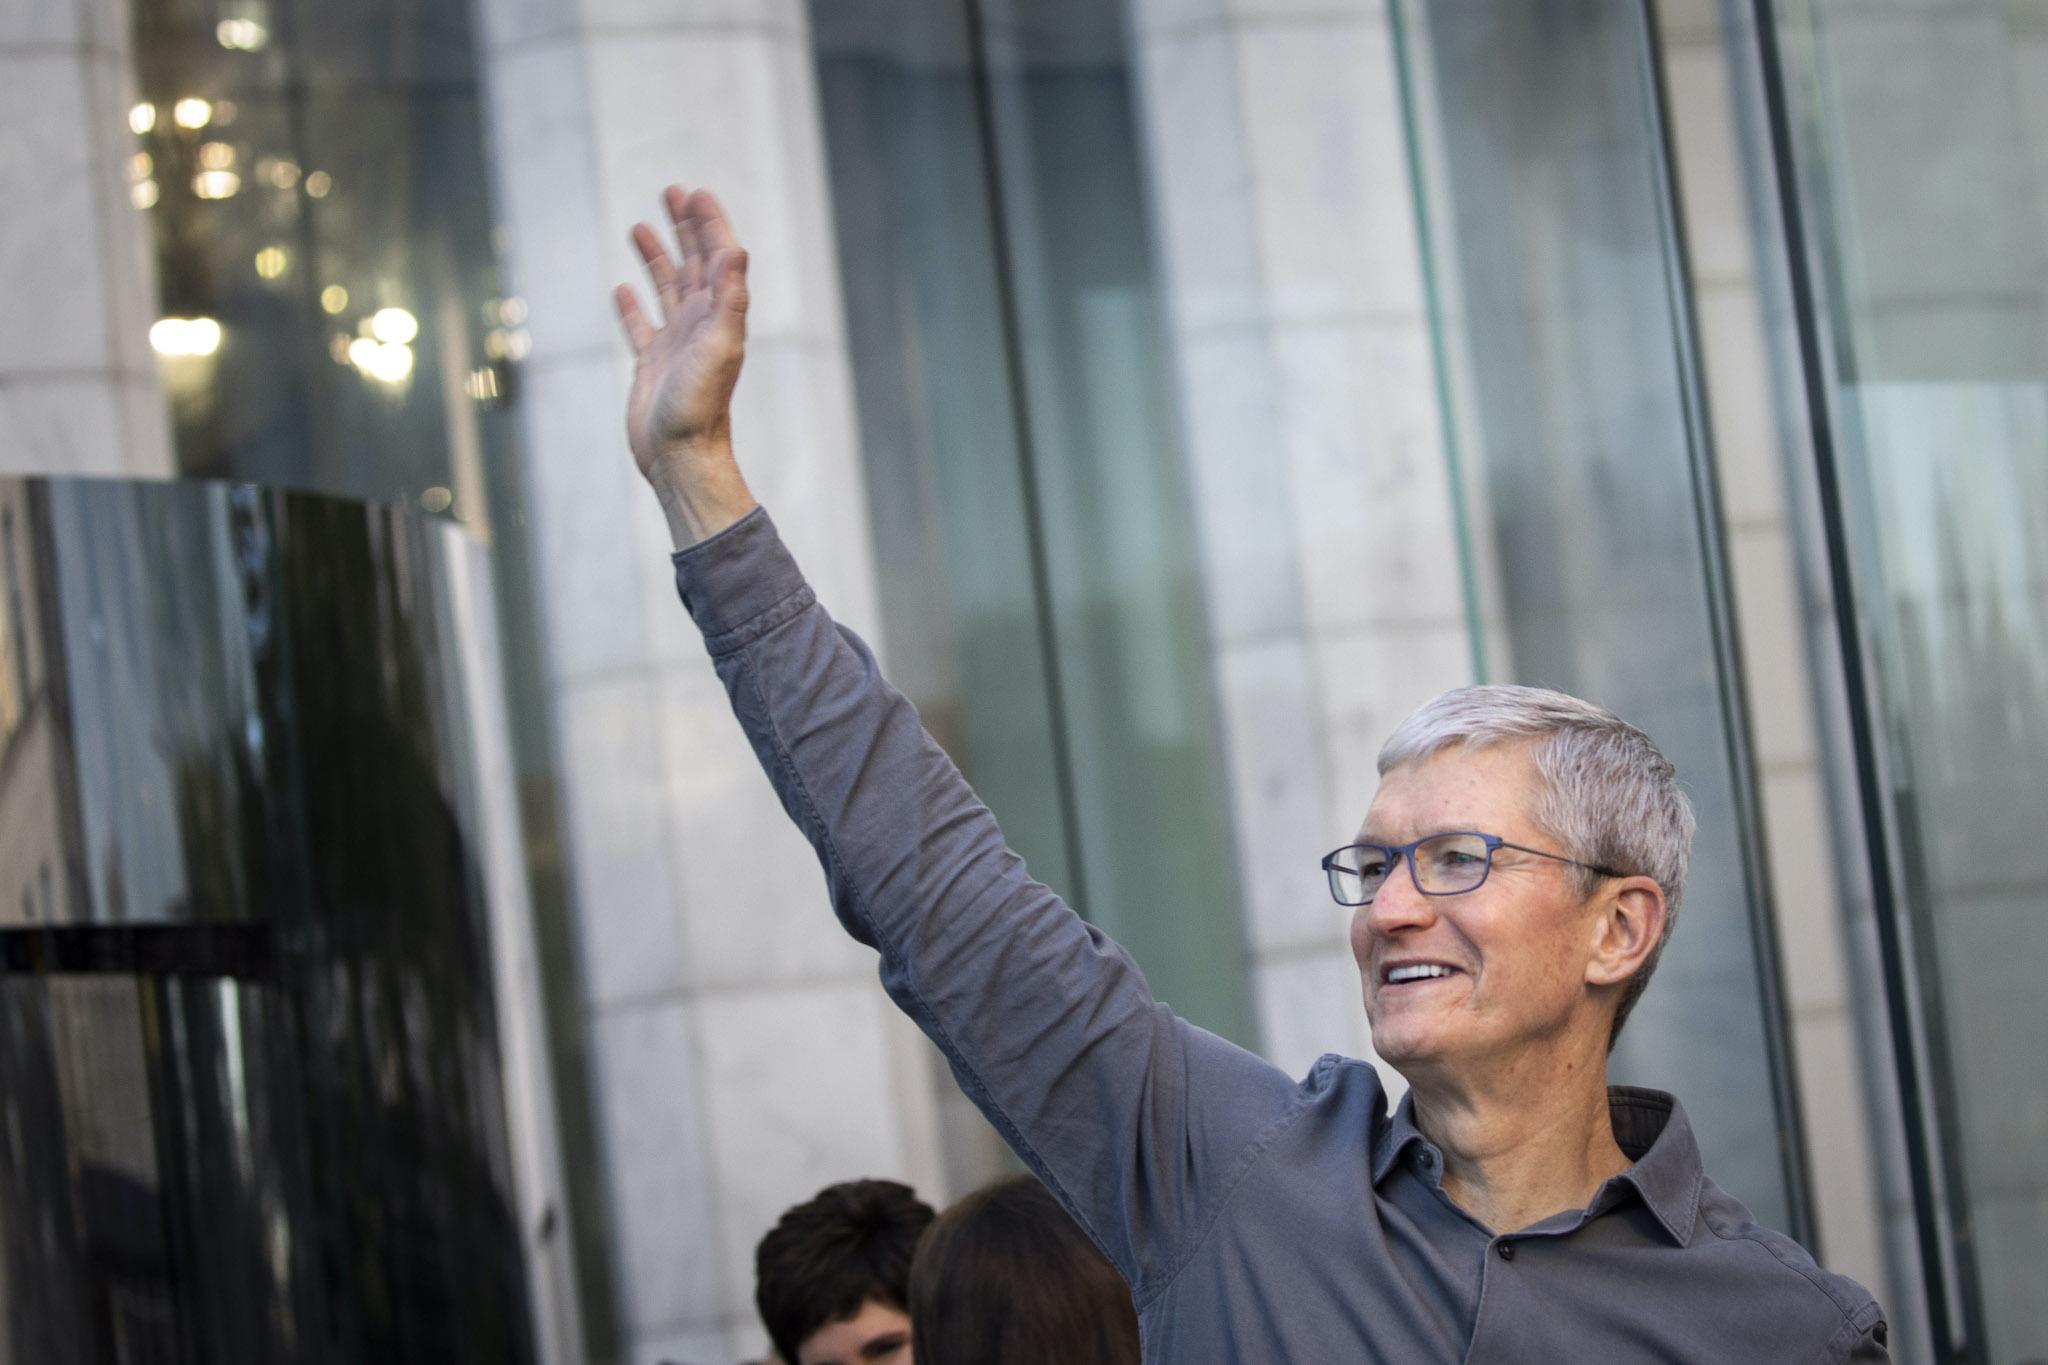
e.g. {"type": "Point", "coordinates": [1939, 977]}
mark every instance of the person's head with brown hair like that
{"type": "Point", "coordinates": [1005, 1277]}
{"type": "Point", "coordinates": [832, 1276]}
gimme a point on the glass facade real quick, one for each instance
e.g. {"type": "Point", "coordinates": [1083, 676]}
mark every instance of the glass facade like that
{"type": "Point", "coordinates": [1039, 580]}
{"type": "Point", "coordinates": [252, 1104]}
{"type": "Point", "coordinates": [1917, 139]}
{"type": "Point", "coordinates": [1587, 497]}
{"type": "Point", "coordinates": [315, 180]}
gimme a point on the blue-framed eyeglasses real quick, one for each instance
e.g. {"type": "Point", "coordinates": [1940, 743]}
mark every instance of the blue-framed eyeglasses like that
{"type": "Point", "coordinates": [1448, 864]}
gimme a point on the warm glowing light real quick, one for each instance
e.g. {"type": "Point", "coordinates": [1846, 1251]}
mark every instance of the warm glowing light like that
{"type": "Point", "coordinates": [216, 156]}
{"type": "Point", "coordinates": [437, 499]}
{"type": "Point", "coordinates": [177, 337]}
{"type": "Point", "coordinates": [141, 166]}
{"type": "Point", "coordinates": [241, 35]}
{"type": "Point", "coordinates": [216, 184]}
{"type": "Point", "coordinates": [394, 324]}
{"type": "Point", "coordinates": [512, 311]}
{"type": "Point", "coordinates": [334, 298]}
{"type": "Point", "coordinates": [387, 362]}
{"type": "Point", "coordinates": [518, 344]}
{"type": "Point", "coordinates": [338, 347]}
{"type": "Point", "coordinates": [279, 172]}
{"type": "Point", "coordinates": [224, 111]}
{"type": "Point", "coordinates": [318, 183]}
{"type": "Point", "coordinates": [143, 194]}
{"type": "Point", "coordinates": [142, 118]}
{"type": "Point", "coordinates": [192, 113]}
{"type": "Point", "coordinates": [494, 344]}
{"type": "Point", "coordinates": [272, 261]}
{"type": "Point", "coordinates": [482, 383]}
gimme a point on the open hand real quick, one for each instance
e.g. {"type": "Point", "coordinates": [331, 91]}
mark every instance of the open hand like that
{"type": "Point", "coordinates": [679, 414]}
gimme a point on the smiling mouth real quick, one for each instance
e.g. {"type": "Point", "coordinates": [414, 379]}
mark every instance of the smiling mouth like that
{"type": "Point", "coordinates": [1412, 973]}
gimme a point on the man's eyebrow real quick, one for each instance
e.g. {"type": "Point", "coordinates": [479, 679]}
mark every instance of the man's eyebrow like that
{"type": "Point", "coordinates": [877, 1347]}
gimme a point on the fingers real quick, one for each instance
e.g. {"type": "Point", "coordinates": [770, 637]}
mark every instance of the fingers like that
{"type": "Point", "coordinates": [638, 331]}
{"type": "Point", "coordinates": [687, 236]}
{"type": "Point", "coordinates": [712, 225]}
{"type": "Point", "coordinates": [729, 280]}
{"type": "Point", "coordinates": [668, 288]}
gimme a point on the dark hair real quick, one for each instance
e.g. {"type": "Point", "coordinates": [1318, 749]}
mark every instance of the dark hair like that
{"type": "Point", "coordinates": [1005, 1277]}
{"type": "Point", "coordinates": [826, 1257]}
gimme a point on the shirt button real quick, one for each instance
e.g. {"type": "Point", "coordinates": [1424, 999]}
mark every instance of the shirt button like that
{"type": "Point", "coordinates": [1427, 1158]}
{"type": "Point", "coordinates": [1506, 1250]}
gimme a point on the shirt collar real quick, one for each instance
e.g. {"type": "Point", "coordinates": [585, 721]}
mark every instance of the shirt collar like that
{"type": "Point", "coordinates": [1651, 1129]}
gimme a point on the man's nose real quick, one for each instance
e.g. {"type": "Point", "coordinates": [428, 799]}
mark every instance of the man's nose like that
{"type": "Point", "coordinates": [1399, 904]}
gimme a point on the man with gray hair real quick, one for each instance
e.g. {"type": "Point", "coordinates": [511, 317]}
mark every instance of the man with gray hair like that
{"type": "Point", "coordinates": [1512, 886]}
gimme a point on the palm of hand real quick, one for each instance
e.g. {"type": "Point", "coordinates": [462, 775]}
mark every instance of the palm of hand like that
{"type": "Point", "coordinates": [685, 369]}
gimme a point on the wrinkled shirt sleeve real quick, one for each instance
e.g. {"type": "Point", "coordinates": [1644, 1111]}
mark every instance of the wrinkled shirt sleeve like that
{"type": "Point", "coordinates": [1131, 1115]}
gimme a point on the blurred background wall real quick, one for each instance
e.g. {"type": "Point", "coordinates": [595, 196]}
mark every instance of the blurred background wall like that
{"type": "Point", "coordinates": [1178, 393]}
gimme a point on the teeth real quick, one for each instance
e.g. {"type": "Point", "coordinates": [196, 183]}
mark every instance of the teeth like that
{"type": "Point", "coordinates": [1421, 971]}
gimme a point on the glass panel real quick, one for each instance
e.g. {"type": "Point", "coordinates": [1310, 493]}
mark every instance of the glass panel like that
{"type": "Point", "coordinates": [249, 1068]}
{"type": "Point", "coordinates": [314, 176]}
{"type": "Point", "coordinates": [1553, 260]}
{"type": "Point", "coordinates": [1038, 577]}
{"type": "Point", "coordinates": [1923, 161]}
{"type": "Point", "coordinates": [320, 202]}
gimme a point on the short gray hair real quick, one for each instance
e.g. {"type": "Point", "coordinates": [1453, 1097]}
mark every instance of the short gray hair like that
{"type": "Point", "coordinates": [1610, 797]}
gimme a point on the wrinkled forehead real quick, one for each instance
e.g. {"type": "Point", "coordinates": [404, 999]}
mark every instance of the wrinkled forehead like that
{"type": "Point", "coordinates": [1492, 788]}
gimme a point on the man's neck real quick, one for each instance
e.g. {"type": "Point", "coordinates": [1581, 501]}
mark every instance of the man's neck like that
{"type": "Point", "coordinates": [1521, 1143]}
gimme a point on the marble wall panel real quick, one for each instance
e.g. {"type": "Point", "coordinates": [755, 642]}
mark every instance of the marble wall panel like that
{"type": "Point", "coordinates": [583, 498]}
{"type": "Point", "coordinates": [1201, 177]}
{"type": "Point", "coordinates": [127, 250]}
{"type": "Point", "coordinates": [628, 922]}
{"type": "Point", "coordinates": [658, 1167]}
{"type": "Point", "coordinates": [784, 17]}
{"type": "Point", "coordinates": [508, 25]}
{"type": "Point", "coordinates": [50, 234]}
{"type": "Point", "coordinates": [1703, 124]}
{"type": "Point", "coordinates": [61, 426]}
{"type": "Point", "coordinates": [1241, 484]}
{"type": "Point", "coordinates": [563, 257]}
{"type": "Point", "coordinates": [1266, 691]}
{"type": "Point", "coordinates": [684, 1346]}
{"type": "Point", "coordinates": [1773, 659]}
{"type": "Point", "coordinates": [1372, 500]}
{"type": "Point", "coordinates": [1805, 892]}
{"type": "Point", "coordinates": [1367, 682]}
{"type": "Point", "coordinates": [1741, 408]}
{"type": "Point", "coordinates": [1840, 1167]}
{"type": "Point", "coordinates": [710, 108]}
{"type": "Point", "coordinates": [800, 1093]}
{"type": "Point", "coordinates": [750, 888]}
{"type": "Point", "coordinates": [1323, 127]}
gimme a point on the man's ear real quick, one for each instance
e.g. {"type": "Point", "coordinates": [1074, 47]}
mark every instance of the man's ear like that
{"type": "Point", "coordinates": [1629, 926]}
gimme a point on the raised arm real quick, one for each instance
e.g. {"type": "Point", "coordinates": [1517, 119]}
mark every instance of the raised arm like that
{"type": "Point", "coordinates": [1136, 1119]}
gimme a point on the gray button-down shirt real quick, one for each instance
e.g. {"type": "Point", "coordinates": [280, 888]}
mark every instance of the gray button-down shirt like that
{"type": "Point", "coordinates": [1256, 1218]}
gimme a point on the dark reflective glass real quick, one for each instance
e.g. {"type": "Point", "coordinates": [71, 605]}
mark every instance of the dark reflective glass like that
{"type": "Point", "coordinates": [249, 1082]}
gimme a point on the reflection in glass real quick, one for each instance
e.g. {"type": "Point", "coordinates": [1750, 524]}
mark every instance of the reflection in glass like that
{"type": "Point", "coordinates": [1554, 259]}
{"type": "Point", "coordinates": [1923, 161]}
{"type": "Point", "coordinates": [250, 1102]}
{"type": "Point", "coordinates": [310, 175]}
{"type": "Point", "coordinates": [1036, 558]}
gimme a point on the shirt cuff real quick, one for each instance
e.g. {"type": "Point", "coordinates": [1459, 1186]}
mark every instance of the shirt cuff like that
{"type": "Point", "coordinates": [741, 583]}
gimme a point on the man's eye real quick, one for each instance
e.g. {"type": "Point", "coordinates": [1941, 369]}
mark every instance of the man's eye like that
{"type": "Point", "coordinates": [1372, 869]}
